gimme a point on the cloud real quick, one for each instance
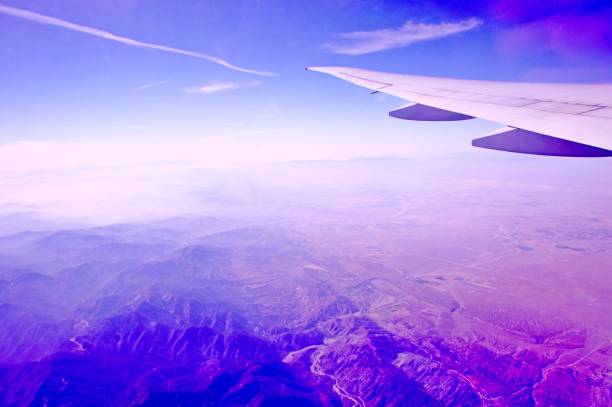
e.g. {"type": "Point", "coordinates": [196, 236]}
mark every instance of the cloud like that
{"type": "Point", "coordinates": [365, 42]}
{"type": "Point", "coordinates": [150, 85]}
{"type": "Point", "coordinates": [214, 87]}
{"type": "Point", "coordinates": [47, 20]}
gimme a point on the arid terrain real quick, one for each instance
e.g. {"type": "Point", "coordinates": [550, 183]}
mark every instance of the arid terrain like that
{"type": "Point", "coordinates": [400, 287]}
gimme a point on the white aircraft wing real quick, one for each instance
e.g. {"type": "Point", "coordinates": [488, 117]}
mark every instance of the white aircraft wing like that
{"type": "Point", "coordinates": [542, 118]}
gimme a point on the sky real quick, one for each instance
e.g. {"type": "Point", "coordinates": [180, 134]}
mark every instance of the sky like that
{"type": "Point", "coordinates": [108, 70]}
{"type": "Point", "coordinates": [212, 83]}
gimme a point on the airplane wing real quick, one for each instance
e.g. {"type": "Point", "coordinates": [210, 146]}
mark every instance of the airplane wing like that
{"type": "Point", "coordinates": [556, 119]}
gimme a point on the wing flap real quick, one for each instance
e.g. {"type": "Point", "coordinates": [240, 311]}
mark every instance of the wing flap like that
{"type": "Point", "coordinates": [418, 112]}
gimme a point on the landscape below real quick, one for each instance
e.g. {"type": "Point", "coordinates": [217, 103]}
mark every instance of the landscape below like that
{"type": "Point", "coordinates": [449, 288]}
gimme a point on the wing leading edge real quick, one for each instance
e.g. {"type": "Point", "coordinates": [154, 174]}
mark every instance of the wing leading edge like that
{"type": "Point", "coordinates": [543, 118]}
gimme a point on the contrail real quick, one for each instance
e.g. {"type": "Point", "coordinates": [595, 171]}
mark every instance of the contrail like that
{"type": "Point", "coordinates": [150, 85]}
{"type": "Point", "coordinates": [43, 19]}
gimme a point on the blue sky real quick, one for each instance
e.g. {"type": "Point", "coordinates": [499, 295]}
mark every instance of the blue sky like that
{"type": "Point", "coordinates": [64, 85]}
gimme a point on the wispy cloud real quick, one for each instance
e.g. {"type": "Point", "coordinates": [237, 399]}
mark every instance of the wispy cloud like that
{"type": "Point", "coordinates": [214, 87]}
{"type": "Point", "coordinates": [150, 85]}
{"type": "Point", "coordinates": [44, 19]}
{"type": "Point", "coordinates": [365, 42]}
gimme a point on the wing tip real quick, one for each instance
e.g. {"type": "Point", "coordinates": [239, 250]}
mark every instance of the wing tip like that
{"type": "Point", "coordinates": [315, 68]}
{"type": "Point", "coordinates": [326, 69]}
